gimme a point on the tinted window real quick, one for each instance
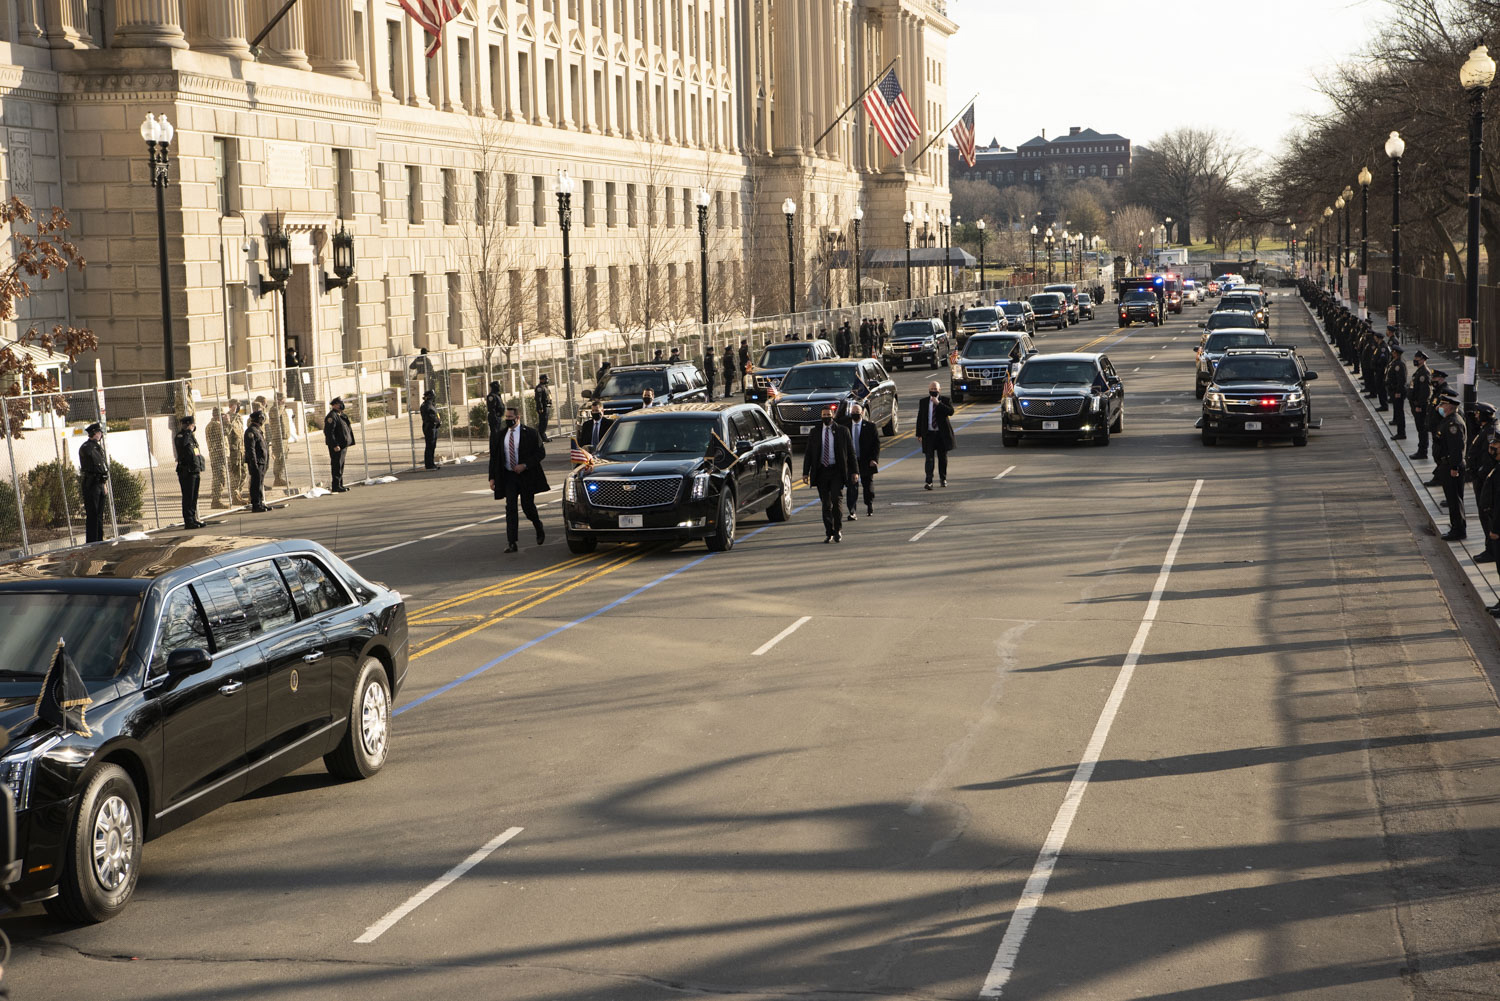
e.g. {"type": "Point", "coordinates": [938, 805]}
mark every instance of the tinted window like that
{"type": "Point", "coordinates": [95, 627]}
{"type": "Point", "coordinates": [226, 601]}
{"type": "Point", "coordinates": [1045, 371]}
{"type": "Point", "coordinates": [182, 626]}
{"type": "Point", "coordinates": [1046, 300]}
{"type": "Point", "coordinates": [1256, 370]}
{"type": "Point", "coordinates": [1235, 339]}
{"type": "Point", "coordinates": [979, 316]}
{"type": "Point", "coordinates": [785, 355]}
{"type": "Point", "coordinates": [319, 589]}
{"type": "Point", "coordinates": [273, 602]}
{"type": "Point", "coordinates": [633, 383]}
{"type": "Point", "coordinates": [763, 423]}
{"type": "Point", "coordinates": [743, 428]}
{"type": "Point", "coordinates": [812, 378]}
{"type": "Point", "coordinates": [912, 328]}
{"type": "Point", "coordinates": [990, 347]}
{"type": "Point", "coordinates": [685, 435]}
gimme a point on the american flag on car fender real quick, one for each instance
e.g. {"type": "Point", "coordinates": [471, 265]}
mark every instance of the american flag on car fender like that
{"type": "Point", "coordinates": [579, 455]}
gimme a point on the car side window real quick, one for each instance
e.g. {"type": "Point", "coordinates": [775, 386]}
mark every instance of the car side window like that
{"type": "Point", "coordinates": [273, 602]}
{"type": "Point", "coordinates": [182, 627]}
{"type": "Point", "coordinates": [231, 613]}
{"type": "Point", "coordinates": [679, 383]}
{"type": "Point", "coordinates": [320, 591]}
{"type": "Point", "coordinates": [741, 428]}
{"type": "Point", "coordinates": [763, 427]}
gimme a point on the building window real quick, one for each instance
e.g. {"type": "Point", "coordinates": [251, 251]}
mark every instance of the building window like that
{"type": "Point", "coordinates": [632, 213]}
{"type": "Point", "coordinates": [543, 301]}
{"type": "Point", "coordinates": [734, 209]}
{"type": "Point", "coordinates": [619, 104]}
{"type": "Point", "coordinates": [549, 87]}
{"type": "Point", "coordinates": [512, 200]}
{"type": "Point", "coordinates": [413, 194]}
{"type": "Point", "coordinates": [651, 206]}
{"type": "Point", "coordinates": [450, 197]}
{"type": "Point", "coordinates": [538, 202]}
{"type": "Point", "coordinates": [226, 176]}
{"type": "Point", "coordinates": [523, 83]}
{"type": "Point", "coordinates": [671, 207]}
{"type": "Point", "coordinates": [455, 310]}
{"type": "Point", "coordinates": [614, 291]}
{"type": "Point", "coordinates": [349, 332]}
{"type": "Point", "coordinates": [481, 198]}
{"type": "Point", "coordinates": [435, 68]}
{"type": "Point", "coordinates": [465, 76]}
{"type": "Point", "coordinates": [497, 81]}
{"type": "Point", "coordinates": [598, 116]}
{"type": "Point", "coordinates": [395, 60]}
{"type": "Point", "coordinates": [419, 330]}
{"type": "Point", "coordinates": [382, 181]}
{"type": "Point", "coordinates": [611, 216]}
{"type": "Point", "coordinates": [343, 182]}
{"type": "Point", "coordinates": [688, 208]}
{"type": "Point", "coordinates": [359, 44]}
{"type": "Point", "coordinates": [588, 203]}
{"type": "Point", "coordinates": [1120, 170]}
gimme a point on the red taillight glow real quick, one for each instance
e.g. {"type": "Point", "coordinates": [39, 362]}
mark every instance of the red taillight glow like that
{"type": "Point", "coordinates": [1268, 401]}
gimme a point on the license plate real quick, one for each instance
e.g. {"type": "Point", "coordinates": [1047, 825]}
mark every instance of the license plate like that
{"type": "Point", "coordinates": [632, 520]}
{"type": "Point", "coordinates": [986, 382]}
{"type": "Point", "coordinates": [1252, 425]}
{"type": "Point", "coordinates": [808, 428]}
{"type": "Point", "coordinates": [1049, 425]}
{"type": "Point", "coordinates": [906, 357]}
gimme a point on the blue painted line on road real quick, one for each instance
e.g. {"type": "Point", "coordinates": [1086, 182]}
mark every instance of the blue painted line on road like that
{"type": "Point", "coordinates": [522, 648]}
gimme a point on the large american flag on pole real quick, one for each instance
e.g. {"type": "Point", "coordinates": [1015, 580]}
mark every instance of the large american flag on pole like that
{"type": "Point", "coordinates": [431, 15]}
{"type": "Point", "coordinates": [891, 114]}
{"type": "Point", "coordinates": [963, 134]}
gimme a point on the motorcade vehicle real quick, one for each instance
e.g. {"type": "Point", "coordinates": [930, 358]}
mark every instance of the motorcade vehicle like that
{"type": "Point", "coordinates": [1140, 305]}
{"type": "Point", "coordinates": [622, 388]}
{"type": "Point", "coordinates": [1069, 291]}
{"type": "Point", "coordinates": [677, 473]}
{"type": "Point", "coordinates": [1018, 315]}
{"type": "Point", "coordinates": [983, 366]}
{"type": "Point", "coordinates": [1172, 292]}
{"type": "Point", "coordinates": [1245, 302]}
{"type": "Point", "coordinates": [776, 360]}
{"type": "Point", "coordinates": [1085, 306]}
{"type": "Point", "coordinates": [917, 341]}
{"type": "Point", "coordinates": [812, 387]}
{"type": "Point", "coordinates": [1192, 295]}
{"type": "Point", "coordinates": [1050, 309]}
{"type": "Point", "coordinates": [980, 320]}
{"type": "Point", "coordinates": [1213, 345]}
{"type": "Point", "coordinates": [213, 665]}
{"type": "Point", "coordinates": [1212, 288]}
{"type": "Point", "coordinates": [1258, 393]}
{"type": "Point", "coordinates": [1229, 319]}
{"type": "Point", "coordinates": [1075, 395]}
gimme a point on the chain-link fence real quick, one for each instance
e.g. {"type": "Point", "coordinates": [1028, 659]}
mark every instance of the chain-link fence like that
{"type": "Point", "coordinates": [43, 503]}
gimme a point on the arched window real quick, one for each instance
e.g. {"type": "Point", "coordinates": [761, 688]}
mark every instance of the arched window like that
{"type": "Point", "coordinates": [1119, 170]}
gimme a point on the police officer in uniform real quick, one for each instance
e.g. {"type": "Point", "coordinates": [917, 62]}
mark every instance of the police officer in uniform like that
{"type": "Point", "coordinates": [1420, 400]}
{"type": "Point", "coordinates": [1395, 387]}
{"type": "Point", "coordinates": [93, 475]}
{"type": "Point", "coordinates": [727, 361]}
{"type": "Point", "coordinates": [1477, 462]}
{"type": "Point", "coordinates": [1448, 448]}
{"type": "Point", "coordinates": [430, 424]}
{"type": "Point", "coordinates": [709, 371]}
{"type": "Point", "coordinates": [1489, 506]}
{"type": "Point", "coordinates": [257, 460]}
{"type": "Point", "coordinates": [189, 468]}
{"type": "Point", "coordinates": [494, 408]}
{"type": "Point", "coordinates": [1380, 356]}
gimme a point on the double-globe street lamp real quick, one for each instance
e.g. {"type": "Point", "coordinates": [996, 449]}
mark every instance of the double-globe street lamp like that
{"type": "Point", "coordinates": [1476, 75]}
{"type": "Point", "coordinates": [1033, 254]}
{"type": "Point", "coordinates": [1327, 250]}
{"type": "Point", "coordinates": [980, 227]}
{"type": "Point", "coordinates": [1395, 146]}
{"type": "Point", "coordinates": [565, 221]}
{"type": "Point", "coordinates": [1048, 241]}
{"type": "Point", "coordinates": [1338, 246]}
{"type": "Point", "coordinates": [158, 134]}
{"type": "Point", "coordinates": [789, 209]}
{"type": "Point", "coordinates": [908, 218]}
{"type": "Point", "coordinates": [1365, 177]}
{"type": "Point", "coordinates": [859, 293]}
{"type": "Point", "coordinates": [945, 226]}
{"type": "Point", "coordinates": [703, 200]}
{"type": "Point", "coordinates": [1348, 197]}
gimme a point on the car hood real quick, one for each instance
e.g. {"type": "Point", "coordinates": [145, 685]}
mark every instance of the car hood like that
{"type": "Point", "coordinates": [1253, 388]}
{"type": "Point", "coordinates": [650, 465]}
{"type": "Point", "coordinates": [771, 373]}
{"type": "Point", "coordinates": [821, 396]}
{"type": "Point", "coordinates": [1043, 392]}
{"type": "Point", "coordinates": [984, 362]}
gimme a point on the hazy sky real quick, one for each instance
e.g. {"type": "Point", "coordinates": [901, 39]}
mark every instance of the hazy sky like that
{"type": "Point", "coordinates": [1140, 69]}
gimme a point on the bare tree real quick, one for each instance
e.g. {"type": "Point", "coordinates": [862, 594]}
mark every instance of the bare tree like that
{"type": "Point", "coordinates": [1183, 169]}
{"type": "Point", "coordinates": [651, 246]}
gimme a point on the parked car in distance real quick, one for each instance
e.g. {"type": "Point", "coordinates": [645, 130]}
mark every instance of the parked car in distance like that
{"type": "Point", "coordinates": [812, 387]}
{"type": "Point", "coordinates": [776, 360]}
{"type": "Point", "coordinates": [1069, 292]}
{"type": "Point", "coordinates": [984, 365]}
{"type": "Point", "coordinates": [1085, 306]}
{"type": "Point", "coordinates": [1051, 310]}
{"type": "Point", "coordinates": [215, 665]}
{"type": "Point", "coordinates": [916, 341]}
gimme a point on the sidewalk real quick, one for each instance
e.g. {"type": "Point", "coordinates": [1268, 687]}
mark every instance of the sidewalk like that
{"type": "Point", "coordinates": [1483, 577]}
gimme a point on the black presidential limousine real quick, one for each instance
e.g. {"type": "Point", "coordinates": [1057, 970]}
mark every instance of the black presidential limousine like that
{"type": "Point", "coordinates": [214, 665]}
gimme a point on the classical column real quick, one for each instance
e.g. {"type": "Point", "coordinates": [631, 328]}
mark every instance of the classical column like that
{"type": "Point", "coordinates": [148, 23]}
{"type": "Point", "coordinates": [218, 26]}
{"type": "Point", "coordinates": [67, 24]}
{"type": "Point", "coordinates": [330, 38]}
{"type": "Point", "coordinates": [286, 45]}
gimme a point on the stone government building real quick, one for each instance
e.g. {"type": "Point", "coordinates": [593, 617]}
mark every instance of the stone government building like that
{"type": "Point", "coordinates": [342, 121]}
{"type": "Point", "coordinates": [1079, 154]}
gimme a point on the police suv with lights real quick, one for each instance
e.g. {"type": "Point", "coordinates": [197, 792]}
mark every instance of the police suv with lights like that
{"type": "Point", "coordinates": [1258, 393]}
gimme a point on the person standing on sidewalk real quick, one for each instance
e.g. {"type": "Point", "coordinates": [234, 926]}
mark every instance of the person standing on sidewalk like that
{"type": "Point", "coordinates": [1448, 448]}
{"type": "Point", "coordinates": [726, 360]}
{"type": "Point", "coordinates": [218, 457]}
{"type": "Point", "coordinates": [1395, 387]}
{"type": "Point", "coordinates": [494, 408]}
{"type": "Point", "coordinates": [338, 435]}
{"type": "Point", "coordinates": [93, 474]}
{"type": "Point", "coordinates": [1480, 425]}
{"type": "Point", "coordinates": [744, 365]}
{"type": "Point", "coordinates": [257, 460]}
{"type": "Point", "coordinates": [430, 424]}
{"type": "Point", "coordinates": [1419, 398]}
{"type": "Point", "coordinates": [542, 397]}
{"type": "Point", "coordinates": [189, 468]}
{"type": "Point", "coordinates": [709, 370]}
{"type": "Point", "coordinates": [1435, 415]}
{"type": "Point", "coordinates": [277, 435]}
{"type": "Point", "coordinates": [1380, 358]}
{"type": "Point", "coordinates": [235, 433]}
{"type": "Point", "coordinates": [1489, 508]}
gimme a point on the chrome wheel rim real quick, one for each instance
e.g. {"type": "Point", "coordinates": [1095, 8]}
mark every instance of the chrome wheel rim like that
{"type": "Point", "coordinates": [786, 490]}
{"type": "Point", "coordinates": [114, 844]}
{"type": "Point", "coordinates": [728, 522]}
{"type": "Point", "coordinates": [374, 724]}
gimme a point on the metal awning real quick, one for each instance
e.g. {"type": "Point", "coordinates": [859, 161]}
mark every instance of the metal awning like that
{"type": "Point", "coordinates": [921, 257]}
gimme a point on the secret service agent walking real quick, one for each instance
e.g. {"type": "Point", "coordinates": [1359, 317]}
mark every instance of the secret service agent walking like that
{"type": "Point", "coordinates": [516, 474]}
{"type": "Point", "coordinates": [828, 464]}
{"type": "Point", "coordinates": [257, 460]}
{"type": "Point", "coordinates": [338, 435]}
{"type": "Point", "coordinates": [93, 474]}
{"type": "Point", "coordinates": [430, 424]}
{"type": "Point", "coordinates": [865, 439]}
{"type": "Point", "coordinates": [190, 467]}
{"type": "Point", "coordinates": [1448, 448]}
{"type": "Point", "coordinates": [935, 432]}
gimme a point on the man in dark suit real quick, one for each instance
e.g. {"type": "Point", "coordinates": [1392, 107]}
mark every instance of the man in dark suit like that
{"type": "Point", "coordinates": [338, 435]}
{"type": "Point", "coordinates": [593, 430]}
{"type": "Point", "coordinates": [93, 475]}
{"type": "Point", "coordinates": [828, 464]}
{"type": "Point", "coordinates": [516, 456]}
{"type": "Point", "coordinates": [864, 438]}
{"type": "Point", "coordinates": [935, 431]}
{"type": "Point", "coordinates": [431, 421]}
{"type": "Point", "coordinates": [257, 460]}
{"type": "Point", "coordinates": [709, 369]}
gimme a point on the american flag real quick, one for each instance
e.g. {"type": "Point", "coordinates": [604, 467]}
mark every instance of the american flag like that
{"type": "Point", "coordinates": [963, 134]}
{"type": "Point", "coordinates": [891, 114]}
{"type": "Point", "coordinates": [431, 15]}
{"type": "Point", "coordinates": [580, 456]}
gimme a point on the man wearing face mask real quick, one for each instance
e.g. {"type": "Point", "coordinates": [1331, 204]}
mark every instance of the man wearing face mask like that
{"type": "Point", "coordinates": [828, 464]}
{"type": "Point", "coordinates": [648, 398]}
{"type": "Point", "coordinates": [593, 430]}
{"type": "Point", "coordinates": [935, 432]}
{"type": "Point", "coordinates": [864, 437]}
{"type": "Point", "coordinates": [516, 456]}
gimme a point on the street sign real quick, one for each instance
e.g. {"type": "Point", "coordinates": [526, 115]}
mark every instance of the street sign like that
{"type": "Point", "coordinates": [1364, 288]}
{"type": "Point", "coordinates": [1390, 316]}
{"type": "Point", "coordinates": [1465, 334]}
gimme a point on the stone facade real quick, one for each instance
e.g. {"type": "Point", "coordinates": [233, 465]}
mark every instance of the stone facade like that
{"type": "Point", "coordinates": [444, 168]}
{"type": "Point", "coordinates": [1079, 154]}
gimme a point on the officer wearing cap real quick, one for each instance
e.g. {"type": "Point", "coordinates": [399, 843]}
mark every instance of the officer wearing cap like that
{"type": "Point", "coordinates": [1395, 387]}
{"type": "Point", "coordinates": [257, 460]}
{"type": "Point", "coordinates": [1419, 398]}
{"type": "Point", "coordinates": [93, 470]}
{"type": "Point", "coordinates": [542, 397]}
{"type": "Point", "coordinates": [1479, 465]}
{"type": "Point", "coordinates": [338, 435]}
{"type": "Point", "coordinates": [190, 467]}
{"type": "Point", "coordinates": [431, 421]}
{"type": "Point", "coordinates": [1489, 507]}
{"type": "Point", "coordinates": [1435, 414]}
{"type": "Point", "coordinates": [1380, 363]}
{"type": "Point", "coordinates": [1448, 448]}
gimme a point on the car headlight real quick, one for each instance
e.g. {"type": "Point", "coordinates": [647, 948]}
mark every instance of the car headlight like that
{"type": "Point", "coordinates": [958, 371]}
{"type": "Point", "coordinates": [929, 342]}
{"type": "Point", "coordinates": [570, 489]}
{"type": "Point", "coordinates": [16, 773]}
{"type": "Point", "coordinates": [1213, 400]}
{"type": "Point", "coordinates": [1295, 399]}
{"type": "Point", "coordinates": [1010, 404]}
{"type": "Point", "coordinates": [1096, 403]}
{"type": "Point", "coordinates": [700, 486]}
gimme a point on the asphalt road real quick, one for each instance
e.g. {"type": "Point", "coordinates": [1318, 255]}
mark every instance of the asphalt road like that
{"type": "Point", "coordinates": [1150, 721]}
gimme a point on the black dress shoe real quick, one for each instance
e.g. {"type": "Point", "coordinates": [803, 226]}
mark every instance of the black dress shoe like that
{"type": "Point", "coordinates": [1417, 455]}
{"type": "Point", "coordinates": [1399, 437]}
{"type": "Point", "coordinates": [828, 540]}
{"type": "Point", "coordinates": [512, 548]}
{"type": "Point", "coordinates": [1381, 408]}
{"type": "Point", "coordinates": [1454, 536]}
{"type": "Point", "coordinates": [927, 486]}
{"type": "Point", "coordinates": [541, 535]}
{"type": "Point", "coordinates": [1485, 557]}
{"type": "Point", "coordinates": [838, 536]}
{"type": "Point", "coordinates": [945, 483]}
{"type": "Point", "coordinates": [852, 517]}
{"type": "Point", "coordinates": [869, 511]}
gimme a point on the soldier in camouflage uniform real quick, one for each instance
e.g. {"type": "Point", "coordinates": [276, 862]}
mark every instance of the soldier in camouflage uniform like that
{"type": "Point", "coordinates": [234, 433]}
{"type": "Point", "coordinates": [218, 456]}
{"type": "Point", "coordinates": [278, 433]}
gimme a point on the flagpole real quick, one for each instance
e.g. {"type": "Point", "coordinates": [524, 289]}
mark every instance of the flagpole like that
{"type": "Point", "coordinates": [255, 42]}
{"type": "Point", "coordinates": [855, 103]}
{"type": "Point", "coordinates": [944, 130]}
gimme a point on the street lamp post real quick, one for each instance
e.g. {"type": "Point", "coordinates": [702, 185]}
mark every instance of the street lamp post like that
{"type": "Point", "coordinates": [789, 209]}
{"type": "Point", "coordinates": [1033, 255]}
{"type": "Point", "coordinates": [942, 233]}
{"type": "Point", "coordinates": [1476, 75]}
{"type": "Point", "coordinates": [1394, 148]}
{"type": "Point", "coordinates": [908, 218]}
{"type": "Point", "coordinates": [1167, 230]}
{"type": "Point", "coordinates": [1365, 177]}
{"type": "Point", "coordinates": [158, 134]}
{"type": "Point", "coordinates": [565, 222]}
{"type": "Point", "coordinates": [1348, 195]}
{"type": "Point", "coordinates": [859, 292]}
{"type": "Point", "coordinates": [703, 200]}
{"type": "Point", "coordinates": [1338, 247]}
{"type": "Point", "coordinates": [1048, 241]}
{"type": "Point", "coordinates": [926, 244]}
{"type": "Point", "coordinates": [831, 239]}
{"type": "Point", "coordinates": [1291, 256]}
{"type": "Point", "coordinates": [981, 227]}
{"type": "Point", "coordinates": [1327, 250]}
{"type": "Point", "coordinates": [1140, 254]}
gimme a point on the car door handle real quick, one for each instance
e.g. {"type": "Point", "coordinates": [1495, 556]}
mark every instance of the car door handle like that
{"type": "Point", "coordinates": [231, 688]}
{"type": "Point", "coordinates": [312, 658]}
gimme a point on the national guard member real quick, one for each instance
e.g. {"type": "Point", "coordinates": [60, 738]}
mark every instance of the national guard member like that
{"type": "Point", "coordinates": [542, 397]}
{"type": "Point", "coordinates": [234, 433]}
{"type": "Point", "coordinates": [218, 457]}
{"type": "Point", "coordinates": [257, 460]}
{"type": "Point", "coordinates": [1420, 399]}
{"type": "Point", "coordinates": [277, 435]}
{"type": "Point", "coordinates": [189, 468]}
{"type": "Point", "coordinates": [338, 435]}
{"type": "Point", "coordinates": [1448, 448]}
{"type": "Point", "coordinates": [431, 421]}
{"type": "Point", "coordinates": [93, 475]}
{"type": "Point", "coordinates": [1395, 387]}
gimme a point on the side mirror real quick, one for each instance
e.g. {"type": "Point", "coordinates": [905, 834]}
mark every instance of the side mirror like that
{"type": "Point", "coordinates": [588, 394]}
{"type": "Point", "coordinates": [187, 660]}
{"type": "Point", "coordinates": [1309, 376]}
{"type": "Point", "coordinates": [743, 447]}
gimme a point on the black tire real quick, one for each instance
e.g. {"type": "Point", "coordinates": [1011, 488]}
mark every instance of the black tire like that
{"type": "Point", "coordinates": [1209, 439]}
{"type": "Point", "coordinates": [722, 541]}
{"type": "Point", "coordinates": [1123, 324]}
{"type": "Point", "coordinates": [781, 509]}
{"type": "Point", "coordinates": [92, 890]}
{"type": "Point", "coordinates": [1101, 438]}
{"type": "Point", "coordinates": [1010, 440]}
{"type": "Point", "coordinates": [582, 544]}
{"type": "Point", "coordinates": [934, 360]}
{"type": "Point", "coordinates": [893, 426]}
{"type": "Point", "coordinates": [1300, 440]}
{"type": "Point", "coordinates": [1118, 427]}
{"type": "Point", "coordinates": [366, 743]}
{"type": "Point", "coordinates": [958, 398]}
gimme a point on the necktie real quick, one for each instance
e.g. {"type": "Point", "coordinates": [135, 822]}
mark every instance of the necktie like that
{"type": "Point", "coordinates": [510, 446]}
{"type": "Point", "coordinates": [854, 430]}
{"type": "Point", "coordinates": [596, 432]}
{"type": "Point", "coordinates": [828, 446]}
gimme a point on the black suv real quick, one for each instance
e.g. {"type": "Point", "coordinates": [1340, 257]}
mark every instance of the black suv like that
{"type": "Point", "coordinates": [670, 382]}
{"type": "Point", "coordinates": [1215, 343]}
{"type": "Point", "coordinates": [677, 473]}
{"type": "Point", "coordinates": [1139, 305]}
{"type": "Point", "coordinates": [1076, 395]}
{"type": "Point", "coordinates": [1258, 393]}
{"type": "Point", "coordinates": [1246, 302]}
{"type": "Point", "coordinates": [915, 341]}
{"type": "Point", "coordinates": [1051, 310]}
{"type": "Point", "coordinates": [776, 360]}
{"type": "Point", "coordinates": [810, 388]}
{"type": "Point", "coordinates": [1069, 292]}
{"type": "Point", "coordinates": [1018, 315]}
{"type": "Point", "coordinates": [215, 665]}
{"type": "Point", "coordinates": [984, 365]}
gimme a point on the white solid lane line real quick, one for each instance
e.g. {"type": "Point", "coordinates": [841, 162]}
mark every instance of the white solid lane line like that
{"type": "Point", "coordinates": [1000, 477]}
{"type": "Point", "coordinates": [929, 528]}
{"type": "Point", "coordinates": [1041, 873]}
{"type": "Point", "coordinates": [446, 531]}
{"type": "Point", "coordinates": [382, 926]}
{"type": "Point", "coordinates": [768, 644]}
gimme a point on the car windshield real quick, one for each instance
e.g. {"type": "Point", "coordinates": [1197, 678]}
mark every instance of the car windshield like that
{"type": "Point", "coordinates": [1014, 309]}
{"type": "Point", "coordinates": [94, 626]}
{"type": "Point", "coordinates": [921, 328]}
{"type": "Point", "coordinates": [989, 347]}
{"type": "Point", "coordinates": [1046, 300]}
{"type": "Point", "coordinates": [1049, 371]}
{"type": "Point", "coordinates": [815, 378]}
{"type": "Point", "coordinates": [685, 435]}
{"type": "Point", "coordinates": [1231, 318]}
{"type": "Point", "coordinates": [785, 355]}
{"type": "Point", "coordinates": [1235, 339]}
{"type": "Point", "coordinates": [1140, 295]}
{"type": "Point", "coordinates": [632, 384]}
{"type": "Point", "coordinates": [1242, 302]}
{"type": "Point", "coordinates": [1085, 299]}
{"type": "Point", "coordinates": [980, 316]}
{"type": "Point", "coordinates": [1256, 370]}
